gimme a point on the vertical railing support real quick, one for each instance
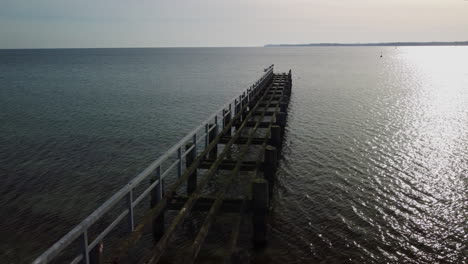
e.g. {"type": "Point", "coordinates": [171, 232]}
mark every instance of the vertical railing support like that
{"type": "Point", "coordinates": [179, 166]}
{"type": "Point", "coordinates": [156, 196]}
{"type": "Point", "coordinates": [260, 200]}
{"type": "Point", "coordinates": [84, 247]}
{"type": "Point", "coordinates": [96, 255]}
{"type": "Point", "coordinates": [212, 135]}
{"type": "Point", "coordinates": [194, 142]}
{"type": "Point", "coordinates": [223, 118]}
{"type": "Point", "coordinates": [237, 109]}
{"type": "Point", "coordinates": [227, 119]}
{"type": "Point", "coordinates": [206, 135]}
{"type": "Point", "coordinates": [189, 158]}
{"type": "Point", "coordinates": [131, 216]}
{"type": "Point", "coordinates": [246, 110]}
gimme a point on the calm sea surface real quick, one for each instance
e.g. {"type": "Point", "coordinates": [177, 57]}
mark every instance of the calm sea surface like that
{"type": "Point", "coordinates": [375, 159]}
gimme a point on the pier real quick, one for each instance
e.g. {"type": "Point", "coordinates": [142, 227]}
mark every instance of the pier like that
{"type": "Point", "coordinates": [223, 170]}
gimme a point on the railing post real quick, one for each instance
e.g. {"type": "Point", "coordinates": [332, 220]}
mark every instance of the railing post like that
{"type": "Point", "coordinates": [260, 200]}
{"type": "Point", "coordinates": [84, 247]}
{"type": "Point", "coordinates": [240, 102]}
{"type": "Point", "coordinates": [212, 135]}
{"type": "Point", "coordinates": [156, 196]}
{"type": "Point", "coordinates": [131, 217]}
{"type": "Point", "coordinates": [223, 119]}
{"type": "Point", "coordinates": [207, 129]}
{"type": "Point", "coordinates": [246, 110]}
{"type": "Point", "coordinates": [179, 157]}
{"type": "Point", "coordinates": [252, 100]}
{"type": "Point", "coordinates": [190, 157]}
{"type": "Point", "coordinates": [227, 119]}
{"type": "Point", "coordinates": [96, 255]}
{"type": "Point", "coordinates": [194, 142]}
{"type": "Point", "coordinates": [237, 108]}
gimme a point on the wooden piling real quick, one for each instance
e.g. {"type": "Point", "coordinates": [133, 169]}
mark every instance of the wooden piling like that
{"type": "Point", "coordinates": [192, 179]}
{"type": "Point", "coordinates": [281, 119]}
{"type": "Point", "coordinates": [283, 106]}
{"type": "Point", "coordinates": [211, 136]}
{"type": "Point", "coordinates": [275, 135]}
{"type": "Point", "coordinates": [260, 200]}
{"type": "Point", "coordinates": [227, 119]}
{"type": "Point", "coordinates": [270, 162]}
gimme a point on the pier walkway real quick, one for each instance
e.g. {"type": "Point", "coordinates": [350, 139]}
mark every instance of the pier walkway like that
{"type": "Point", "coordinates": [217, 180]}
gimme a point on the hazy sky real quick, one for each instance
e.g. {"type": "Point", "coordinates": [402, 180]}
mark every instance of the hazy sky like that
{"type": "Point", "coordinates": [187, 23]}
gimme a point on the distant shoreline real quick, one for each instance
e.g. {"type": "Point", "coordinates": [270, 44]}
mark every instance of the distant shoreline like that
{"type": "Point", "coordinates": [453, 43]}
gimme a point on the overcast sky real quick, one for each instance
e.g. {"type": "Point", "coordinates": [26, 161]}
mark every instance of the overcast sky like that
{"type": "Point", "coordinates": [208, 23]}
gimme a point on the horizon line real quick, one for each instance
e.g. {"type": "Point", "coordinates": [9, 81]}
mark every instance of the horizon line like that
{"type": "Point", "coordinates": [397, 43]}
{"type": "Point", "coordinates": [401, 43]}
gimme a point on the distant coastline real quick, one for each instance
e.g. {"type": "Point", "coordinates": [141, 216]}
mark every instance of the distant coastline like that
{"type": "Point", "coordinates": [453, 43]}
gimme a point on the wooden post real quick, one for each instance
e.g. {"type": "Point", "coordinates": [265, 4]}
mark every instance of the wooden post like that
{"type": "Point", "coordinates": [287, 88]}
{"type": "Point", "coordinates": [245, 113]}
{"type": "Point", "coordinates": [275, 135]}
{"type": "Point", "coordinates": [237, 108]}
{"type": "Point", "coordinates": [260, 200]}
{"type": "Point", "coordinates": [227, 119]}
{"type": "Point", "coordinates": [283, 106]}
{"type": "Point", "coordinates": [253, 101]}
{"type": "Point", "coordinates": [212, 135]}
{"type": "Point", "coordinates": [156, 196]}
{"type": "Point", "coordinates": [189, 158]}
{"type": "Point", "coordinates": [243, 100]}
{"type": "Point", "coordinates": [281, 119]}
{"type": "Point", "coordinates": [96, 255]}
{"type": "Point", "coordinates": [270, 162]}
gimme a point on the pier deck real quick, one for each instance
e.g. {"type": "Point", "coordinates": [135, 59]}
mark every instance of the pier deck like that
{"type": "Point", "coordinates": [228, 180]}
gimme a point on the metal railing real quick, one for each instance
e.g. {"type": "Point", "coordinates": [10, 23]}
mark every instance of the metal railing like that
{"type": "Point", "coordinates": [80, 232]}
